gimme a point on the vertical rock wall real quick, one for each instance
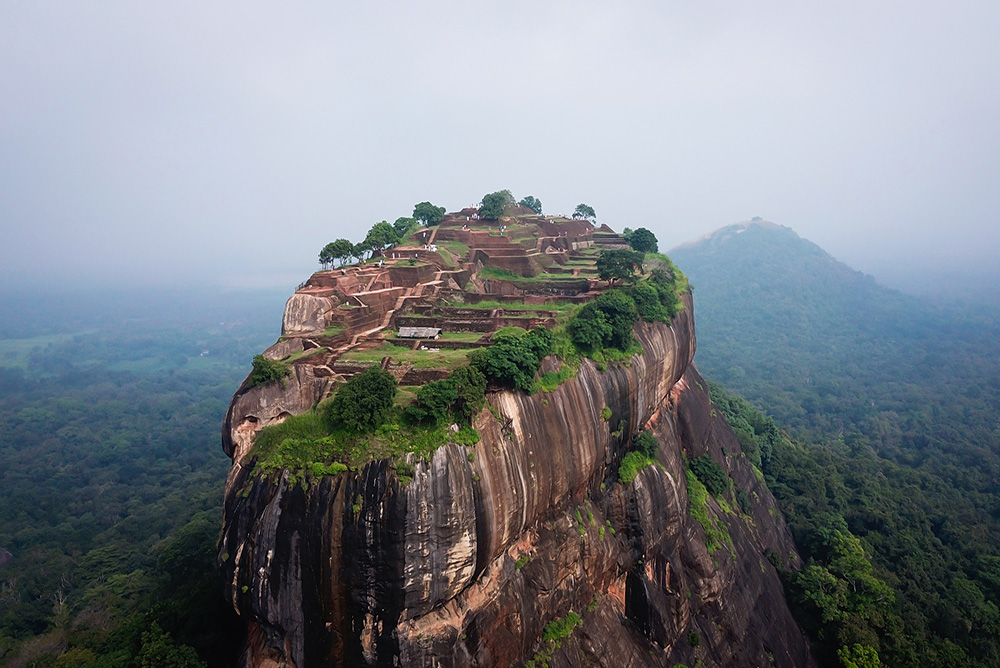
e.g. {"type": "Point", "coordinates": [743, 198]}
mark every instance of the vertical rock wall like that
{"type": "Point", "coordinates": [468, 562]}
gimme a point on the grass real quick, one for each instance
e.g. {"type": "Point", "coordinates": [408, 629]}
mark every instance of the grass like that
{"type": "Point", "coordinates": [555, 632]}
{"type": "Point", "coordinates": [715, 536]}
{"type": "Point", "coordinates": [631, 464]}
{"type": "Point", "coordinates": [421, 359]}
{"type": "Point", "coordinates": [551, 380]}
{"type": "Point", "coordinates": [456, 247]}
{"type": "Point", "coordinates": [333, 330]}
{"type": "Point", "coordinates": [447, 259]}
{"type": "Point", "coordinates": [299, 354]}
{"type": "Point", "coordinates": [305, 443]}
{"type": "Point", "coordinates": [461, 336]}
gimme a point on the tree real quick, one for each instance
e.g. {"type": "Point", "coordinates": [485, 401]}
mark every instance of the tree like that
{"type": "Point", "coordinates": [326, 255]}
{"type": "Point", "coordinates": [585, 211]}
{"type": "Point", "coordinates": [605, 322]}
{"type": "Point", "coordinates": [266, 371]}
{"type": "Point", "coordinates": [359, 249]}
{"type": "Point", "coordinates": [342, 249]}
{"type": "Point", "coordinates": [428, 214]}
{"type": "Point", "coordinates": [533, 203]}
{"type": "Point", "coordinates": [381, 236]}
{"type": "Point", "coordinates": [513, 360]}
{"type": "Point", "coordinates": [618, 264]}
{"type": "Point", "coordinates": [641, 240]}
{"type": "Point", "coordinates": [403, 225]}
{"type": "Point", "coordinates": [494, 203]}
{"type": "Point", "coordinates": [364, 402]}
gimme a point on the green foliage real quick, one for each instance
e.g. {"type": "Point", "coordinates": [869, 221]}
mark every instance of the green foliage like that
{"type": "Point", "coordinates": [647, 443]}
{"type": "Point", "coordinates": [605, 322]}
{"type": "Point", "coordinates": [710, 474]}
{"type": "Point", "coordinates": [522, 561]}
{"type": "Point", "coordinates": [606, 413]}
{"type": "Point", "coordinates": [160, 651]}
{"type": "Point", "coordinates": [551, 380]}
{"type": "Point", "coordinates": [694, 639]}
{"type": "Point", "coordinates": [341, 249]}
{"type": "Point", "coordinates": [402, 225]}
{"type": "Point", "coordinates": [381, 236]}
{"type": "Point", "coordinates": [641, 240]}
{"type": "Point", "coordinates": [363, 403]}
{"type": "Point", "coordinates": [648, 304]}
{"type": "Point", "coordinates": [560, 629]}
{"type": "Point", "coordinates": [632, 463]}
{"type": "Point", "coordinates": [619, 264]}
{"type": "Point", "coordinates": [428, 214]}
{"type": "Point", "coordinates": [467, 436]}
{"type": "Point", "coordinates": [494, 203]}
{"type": "Point", "coordinates": [891, 405]}
{"type": "Point", "coordinates": [859, 656]}
{"type": "Point", "coordinates": [532, 203]}
{"type": "Point", "coordinates": [266, 371]}
{"type": "Point", "coordinates": [715, 535]}
{"type": "Point", "coordinates": [584, 211]}
{"type": "Point", "coordinates": [512, 361]}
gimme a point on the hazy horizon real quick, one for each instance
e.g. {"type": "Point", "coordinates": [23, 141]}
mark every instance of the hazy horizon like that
{"type": "Point", "coordinates": [187, 144]}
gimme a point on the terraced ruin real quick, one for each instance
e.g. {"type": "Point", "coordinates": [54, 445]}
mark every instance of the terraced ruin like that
{"type": "Point", "coordinates": [446, 290]}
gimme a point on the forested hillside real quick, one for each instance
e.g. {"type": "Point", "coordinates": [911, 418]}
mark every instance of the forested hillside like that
{"type": "Point", "coordinates": [110, 409]}
{"type": "Point", "coordinates": [892, 404]}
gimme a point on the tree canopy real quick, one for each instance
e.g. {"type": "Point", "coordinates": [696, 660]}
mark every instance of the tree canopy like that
{"type": "Point", "coordinates": [381, 236]}
{"type": "Point", "coordinates": [641, 240]}
{"type": "Point", "coordinates": [364, 402]}
{"type": "Point", "coordinates": [402, 226]}
{"type": "Point", "coordinates": [428, 214]}
{"type": "Point", "coordinates": [494, 203]}
{"type": "Point", "coordinates": [532, 203]}
{"type": "Point", "coordinates": [605, 322]}
{"type": "Point", "coordinates": [616, 264]}
{"type": "Point", "coordinates": [585, 211]}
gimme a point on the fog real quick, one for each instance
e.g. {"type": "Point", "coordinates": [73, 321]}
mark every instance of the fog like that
{"type": "Point", "coordinates": [225, 143]}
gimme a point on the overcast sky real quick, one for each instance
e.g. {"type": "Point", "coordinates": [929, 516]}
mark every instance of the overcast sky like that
{"type": "Point", "coordinates": [179, 141]}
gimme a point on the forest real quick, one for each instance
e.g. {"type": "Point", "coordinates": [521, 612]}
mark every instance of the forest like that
{"type": "Point", "coordinates": [113, 474]}
{"type": "Point", "coordinates": [888, 408]}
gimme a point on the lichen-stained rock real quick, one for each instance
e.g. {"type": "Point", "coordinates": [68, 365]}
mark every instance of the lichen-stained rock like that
{"type": "Point", "coordinates": [306, 313]}
{"type": "Point", "coordinates": [467, 563]}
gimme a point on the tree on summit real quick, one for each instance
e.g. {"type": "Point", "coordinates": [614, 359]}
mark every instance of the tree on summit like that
{"type": "Point", "coordinates": [585, 211]}
{"type": "Point", "coordinates": [428, 214]}
{"type": "Point", "coordinates": [494, 204]}
{"type": "Point", "coordinates": [533, 203]}
{"type": "Point", "coordinates": [381, 236]}
{"type": "Point", "coordinates": [641, 240]}
{"type": "Point", "coordinates": [618, 264]}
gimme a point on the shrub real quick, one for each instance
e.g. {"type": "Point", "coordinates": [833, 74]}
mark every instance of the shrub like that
{"type": "Point", "coordinates": [364, 402]}
{"type": "Point", "coordinates": [267, 371]}
{"type": "Point", "coordinates": [512, 361]}
{"type": "Point", "coordinates": [631, 464]}
{"type": "Point", "coordinates": [648, 303]}
{"type": "Point", "coordinates": [605, 322]}
{"type": "Point", "coordinates": [647, 443]}
{"type": "Point", "coordinates": [710, 474]}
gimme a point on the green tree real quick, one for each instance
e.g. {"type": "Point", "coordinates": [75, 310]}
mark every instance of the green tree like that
{"type": "Point", "coordinates": [710, 474]}
{"type": "Point", "coordinates": [616, 264]}
{"type": "Point", "coordinates": [360, 249]}
{"type": "Point", "coordinates": [266, 371]}
{"type": "Point", "coordinates": [402, 226]}
{"type": "Point", "coordinates": [859, 656]}
{"type": "Point", "coordinates": [585, 211]}
{"type": "Point", "coordinates": [381, 236]}
{"type": "Point", "coordinates": [641, 240]}
{"type": "Point", "coordinates": [611, 317]}
{"type": "Point", "coordinates": [513, 360]}
{"type": "Point", "coordinates": [533, 203]}
{"type": "Point", "coordinates": [326, 255]}
{"type": "Point", "coordinates": [160, 651]}
{"type": "Point", "coordinates": [494, 204]}
{"type": "Point", "coordinates": [428, 214]}
{"type": "Point", "coordinates": [341, 249]}
{"type": "Point", "coordinates": [364, 402]}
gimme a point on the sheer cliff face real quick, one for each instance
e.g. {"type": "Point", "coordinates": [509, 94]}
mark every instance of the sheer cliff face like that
{"type": "Point", "coordinates": [467, 563]}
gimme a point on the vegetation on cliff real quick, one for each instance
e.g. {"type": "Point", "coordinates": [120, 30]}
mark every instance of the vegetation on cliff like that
{"type": "Point", "coordinates": [891, 403]}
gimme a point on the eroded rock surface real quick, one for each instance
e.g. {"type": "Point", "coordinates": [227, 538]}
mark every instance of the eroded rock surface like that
{"type": "Point", "coordinates": [465, 564]}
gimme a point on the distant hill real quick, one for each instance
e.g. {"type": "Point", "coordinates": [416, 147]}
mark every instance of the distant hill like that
{"type": "Point", "coordinates": [778, 316]}
{"type": "Point", "coordinates": [893, 401]}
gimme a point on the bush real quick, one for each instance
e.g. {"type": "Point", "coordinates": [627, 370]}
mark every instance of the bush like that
{"type": "Point", "coordinates": [605, 322]}
{"type": "Point", "coordinates": [364, 402]}
{"type": "Point", "coordinates": [631, 464]}
{"type": "Point", "coordinates": [648, 303]}
{"type": "Point", "coordinates": [646, 443]}
{"type": "Point", "coordinates": [710, 474]}
{"type": "Point", "coordinates": [267, 371]}
{"type": "Point", "coordinates": [512, 361]}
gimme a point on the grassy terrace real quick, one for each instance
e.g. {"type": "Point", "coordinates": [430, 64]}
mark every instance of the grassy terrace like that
{"type": "Point", "coordinates": [421, 359]}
